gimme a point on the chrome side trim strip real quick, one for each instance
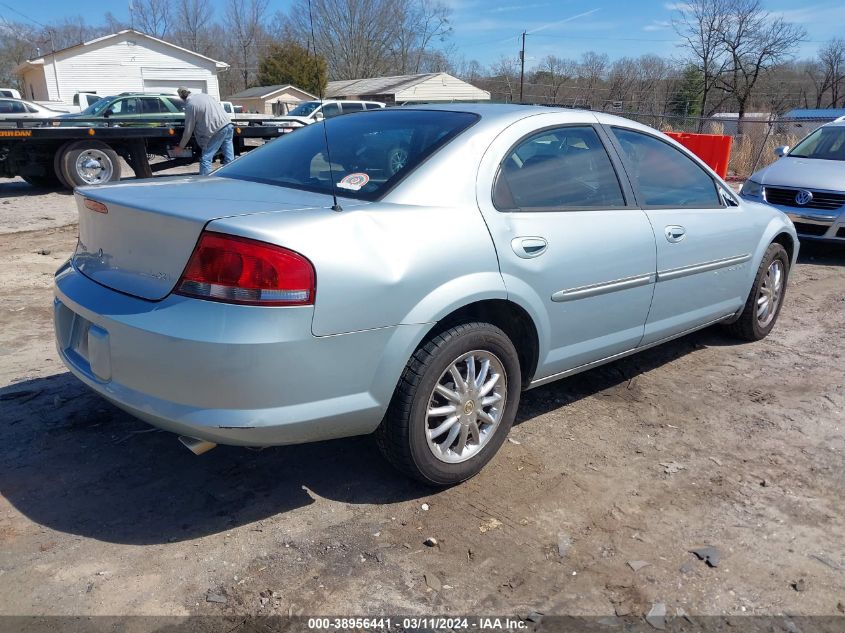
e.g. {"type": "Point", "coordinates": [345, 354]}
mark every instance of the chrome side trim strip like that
{"type": "Point", "coordinates": [602, 288]}
{"type": "Point", "coordinates": [609, 359]}
{"type": "Point", "coordinates": [684, 271]}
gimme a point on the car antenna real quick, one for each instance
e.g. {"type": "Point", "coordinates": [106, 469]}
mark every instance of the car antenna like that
{"type": "Point", "coordinates": [336, 205]}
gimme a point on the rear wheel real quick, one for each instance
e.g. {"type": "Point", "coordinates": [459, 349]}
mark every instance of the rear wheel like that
{"type": "Point", "coordinates": [454, 405]}
{"type": "Point", "coordinates": [89, 163]}
{"type": "Point", "coordinates": [764, 302]}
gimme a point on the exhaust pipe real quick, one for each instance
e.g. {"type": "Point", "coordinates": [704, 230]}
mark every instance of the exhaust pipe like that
{"type": "Point", "coordinates": [196, 446]}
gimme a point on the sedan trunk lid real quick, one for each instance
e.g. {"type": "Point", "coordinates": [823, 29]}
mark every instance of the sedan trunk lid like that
{"type": "Point", "coordinates": [139, 238]}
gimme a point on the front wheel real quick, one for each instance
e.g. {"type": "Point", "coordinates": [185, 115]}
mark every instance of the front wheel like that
{"type": "Point", "coordinates": [454, 405]}
{"type": "Point", "coordinates": [764, 302]}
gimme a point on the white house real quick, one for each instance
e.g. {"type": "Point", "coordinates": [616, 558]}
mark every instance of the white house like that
{"type": "Point", "coordinates": [276, 100]}
{"type": "Point", "coordinates": [127, 61]}
{"type": "Point", "coordinates": [422, 88]}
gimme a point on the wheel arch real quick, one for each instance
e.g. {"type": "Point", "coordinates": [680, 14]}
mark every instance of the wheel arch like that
{"type": "Point", "coordinates": [509, 317]}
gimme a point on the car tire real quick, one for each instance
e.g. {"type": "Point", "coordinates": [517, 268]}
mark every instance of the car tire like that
{"type": "Point", "coordinates": [765, 300]}
{"type": "Point", "coordinates": [397, 158]}
{"type": "Point", "coordinates": [405, 435]}
{"type": "Point", "coordinates": [105, 164]}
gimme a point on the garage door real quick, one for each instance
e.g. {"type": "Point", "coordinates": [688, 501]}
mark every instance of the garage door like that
{"type": "Point", "coordinates": [171, 85]}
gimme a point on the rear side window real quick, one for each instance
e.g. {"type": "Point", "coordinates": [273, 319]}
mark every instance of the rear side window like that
{"type": "Point", "coordinates": [563, 168]}
{"type": "Point", "coordinates": [663, 175]}
{"type": "Point", "coordinates": [373, 106]}
{"type": "Point", "coordinates": [330, 109]}
{"type": "Point", "coordinates": [352, 107]}
{"type": "Point", "coordinates": [152, 105]}
{"type": "Point", "coordinates": [370, 152]}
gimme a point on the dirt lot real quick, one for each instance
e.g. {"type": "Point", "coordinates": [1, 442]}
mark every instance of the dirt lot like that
{"type": "Point", "coordinates": [699, 442]}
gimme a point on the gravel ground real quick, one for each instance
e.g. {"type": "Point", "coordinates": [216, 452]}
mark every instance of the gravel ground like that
{"type": "Point", "coordinates": [699, 442]}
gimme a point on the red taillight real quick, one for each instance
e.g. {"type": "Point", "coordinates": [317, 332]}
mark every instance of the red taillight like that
{"type": "Point", "coordinates": [240, 270]}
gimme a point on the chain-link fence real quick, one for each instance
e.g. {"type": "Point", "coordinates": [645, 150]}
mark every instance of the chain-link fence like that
{"type": "Point", "coordinates": [754, 138]}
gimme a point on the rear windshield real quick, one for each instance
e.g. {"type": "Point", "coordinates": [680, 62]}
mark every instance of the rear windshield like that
{"type": "Point", "coordinates": [370, 152]}
{"type": "Point", "coordinates": [826, 143]}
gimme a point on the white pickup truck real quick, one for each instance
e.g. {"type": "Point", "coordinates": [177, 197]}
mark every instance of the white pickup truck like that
{"type": "Point", "coordinates": [81, 100]}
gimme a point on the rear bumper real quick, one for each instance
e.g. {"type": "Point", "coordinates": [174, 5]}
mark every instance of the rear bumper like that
{"type": "Point", "coordinates": [245, 375]}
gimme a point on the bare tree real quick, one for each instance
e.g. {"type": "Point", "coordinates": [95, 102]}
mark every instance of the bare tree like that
{"type": "Point", "coordinates": [504, 77]}
{"type": "Point", "coordinates": [700, 24]}
{"type": "Point", "coordinates": [151, 16]}
{"type": "Point", "coordinates": [591, 71]}
{"type": "Point", "coordinates": [357, 37]}
{"type": "Point", "coordinates": [753, 41]}
{"type": "Point", "coordinates": [192, 21]}
{"type": "Point", "coordinates": [551, 75]}
{"type": "Point", "coordinates": [244, 20]}
{"type": "Point", "coordinates": [421, 22]}
{"type": "Point", "coordinates": [832, 60]}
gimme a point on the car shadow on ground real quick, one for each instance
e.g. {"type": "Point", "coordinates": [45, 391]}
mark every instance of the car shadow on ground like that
{"type": "Point", "coordinates": [20, 189]}
{"type": "Point", "coordinates": [72, 462]}
{"type": "Point", "coordinates": [821, 254]}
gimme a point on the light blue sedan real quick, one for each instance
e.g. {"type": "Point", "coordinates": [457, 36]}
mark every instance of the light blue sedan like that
{"type": "Point", "coordinates": [513, 247]}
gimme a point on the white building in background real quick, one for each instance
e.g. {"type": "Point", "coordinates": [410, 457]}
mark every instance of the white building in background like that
{"type": "Point", "coordinates": [127, 61]}
{"type": "Point", "coordinates": [422, 88]}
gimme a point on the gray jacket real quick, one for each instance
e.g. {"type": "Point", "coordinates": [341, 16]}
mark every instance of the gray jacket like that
{"type": "Point", "coordinates": [204, 116]}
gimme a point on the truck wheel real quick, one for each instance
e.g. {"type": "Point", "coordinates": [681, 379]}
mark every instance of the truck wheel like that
{"type": "Point", "coordinates": [89, 163]}
{"type": "Point", "coordinates": [454, 405]}
{"type": "Point", "coordinates": [57, 166]}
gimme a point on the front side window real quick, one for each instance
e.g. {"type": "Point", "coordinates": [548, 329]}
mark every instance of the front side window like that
{"type": "Point", "coordinates": [370, 152]}
{"type": "Point", "coordinates": [663, 175]}
{"type": "Point", "coordinates": [826, 143]}
{"type": "Point", "coordinates": [556, 169]}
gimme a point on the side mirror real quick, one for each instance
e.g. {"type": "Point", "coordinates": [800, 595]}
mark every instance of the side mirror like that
{"type": "Point", "coordinates": [781, 151]}
{"type": "Point", "coordinates": [108, 112]}
{"type": "Point", "coordinates": [319, 116]}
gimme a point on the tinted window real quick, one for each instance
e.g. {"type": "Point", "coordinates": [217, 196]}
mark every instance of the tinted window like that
{"type": "Point", "coordinates": [373, 106]}
{"type": "Point", "coordinates": [350, 106]}
{"type": "Point", "coordinates": [178, 104]}
{"type": "Point", "coordinates": [665, 176]}
{"type": "Point", "coordinates": [12, 107]}
{"type": "Point", "coordinates": [304, 109]}
{"type": "Point", "coordinates": [124, 107]}
{"type": "Point", "coordinates": [563, 168]}
{"type": "Point", "coordinates": [152, 105]}
{"type": "Point", "coordinates": [330, 109]}
{"type": "Point", "coordinates": [370, 152]}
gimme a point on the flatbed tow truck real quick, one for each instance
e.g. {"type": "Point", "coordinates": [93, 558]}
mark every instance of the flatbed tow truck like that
{"type": "Point", "coordinates": [53, 153]}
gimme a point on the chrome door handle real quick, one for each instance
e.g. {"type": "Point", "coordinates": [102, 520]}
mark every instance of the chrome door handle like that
{"type": "Point", "coordinates": [675, 233]}
{"type": "Point", "coordinates": [528, 247]}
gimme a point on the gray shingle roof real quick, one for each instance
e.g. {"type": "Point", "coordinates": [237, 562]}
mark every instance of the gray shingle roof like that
{"type": "Point", "coordinates": [259, 91]}
{"type": "Point", "coordinates": [374, 86]}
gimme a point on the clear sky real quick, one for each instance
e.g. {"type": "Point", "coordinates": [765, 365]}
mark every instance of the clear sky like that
{"type": "Point", "coordinates": [486, 29]}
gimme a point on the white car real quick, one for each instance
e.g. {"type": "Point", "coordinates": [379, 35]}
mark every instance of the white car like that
{"type": "Point", "coordinates": [19, 109]}
{"type": "Point", "coordinates": [807, 183]}
{"type": "Point", "coordinates": [309, 112]}
{"type": "Point", "coordinates": [10, 92]}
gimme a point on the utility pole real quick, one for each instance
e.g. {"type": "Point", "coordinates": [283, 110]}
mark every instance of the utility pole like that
{"type": "Point", "coordinates": [522, 67]}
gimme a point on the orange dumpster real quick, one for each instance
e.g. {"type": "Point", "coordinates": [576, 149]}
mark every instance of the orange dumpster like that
{"type": "Point", "coordinates": [713, 149]}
